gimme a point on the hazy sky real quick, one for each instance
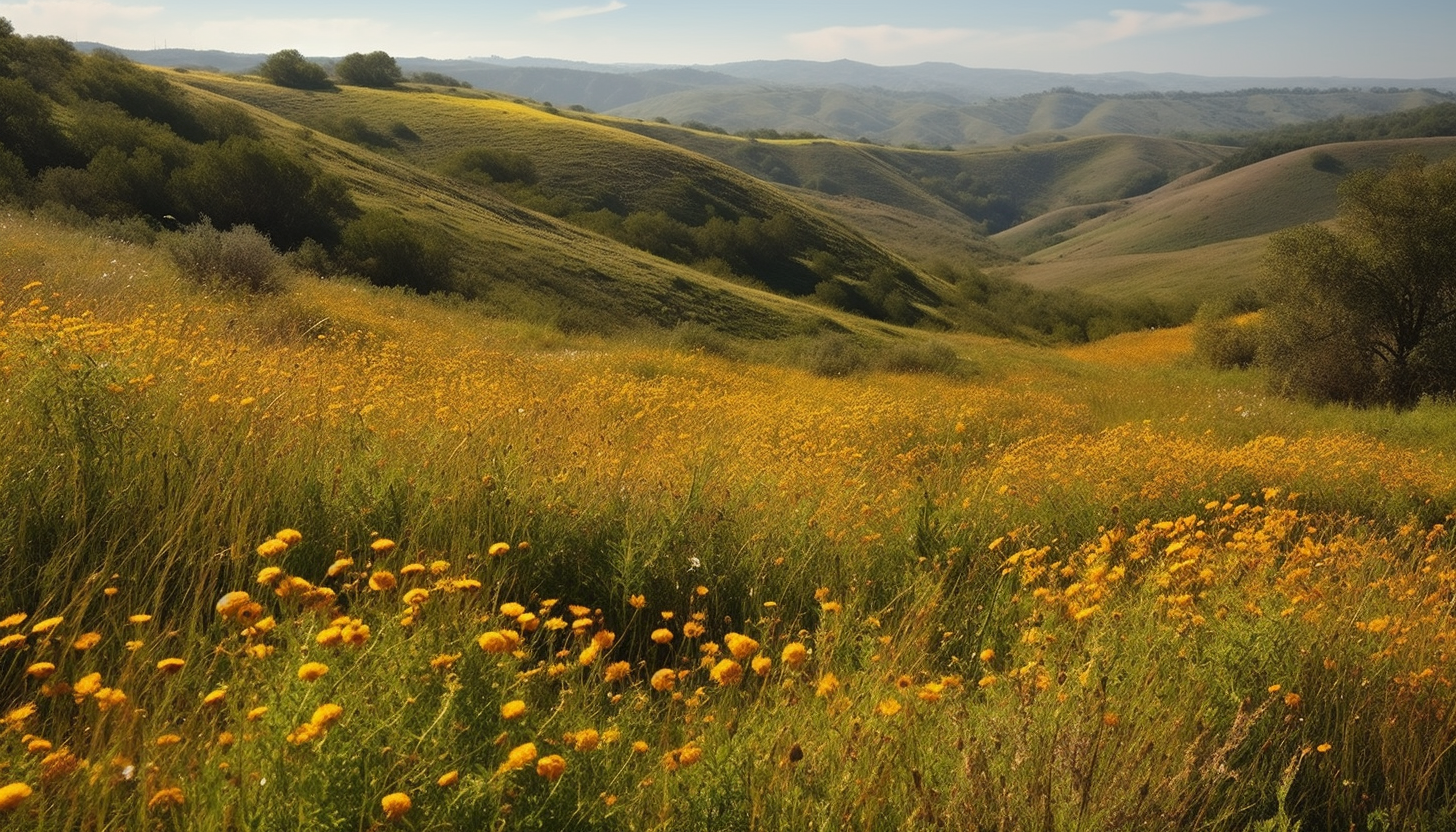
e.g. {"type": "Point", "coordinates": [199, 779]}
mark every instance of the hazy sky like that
{"type": "Point", "coordinates": [1354, 38]}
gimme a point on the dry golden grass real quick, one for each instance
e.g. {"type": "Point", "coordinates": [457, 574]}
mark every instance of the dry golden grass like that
{"type": "Point", "coordinates": [1091, 588]}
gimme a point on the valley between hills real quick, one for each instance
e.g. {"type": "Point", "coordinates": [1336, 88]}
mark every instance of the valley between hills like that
{"type": "Point", "coordinates": [443, 455]}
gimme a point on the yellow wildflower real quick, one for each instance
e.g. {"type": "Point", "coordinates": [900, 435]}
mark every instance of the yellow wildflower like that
{"type": "Point", "coordinates": [12, 796]}
{"type": "Point", "coordinates": [326, 714]}
{"type": "Point", "coordinates": [552, 766]}
{"type": "Point", "coordinates": [87, 685]}
{"type": "Point", "coordinates": [499, 641]}
{"type": "Point", "coordinates": [519, 757]}
{"type": "Point", "coordinates": [230, 604]}
{"type": "Point", "coordinates": [166, 799]}
{"type": "Point", "coordinates": [86, 641]}
{"type": "Point", "coordinates": [271, 548]}
{"type": "Point", "coordinates": [395, 805]}
{"type": "Point", "coordinates": [827, 686]}
{"type": "Point", "coordinates": [47, 625]}
{"type": "Point", "coordinates": [795, 654]}
{"type": "Point", "coordinates": [311, 671]}
{"type": "Point", "coordinates": [740, 646]}
{"type": "Point", "coordinates": [727, 672]}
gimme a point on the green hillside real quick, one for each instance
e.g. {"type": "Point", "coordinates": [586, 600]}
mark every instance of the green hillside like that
{"type": "Point", "coordinates": [993, 187]}
{"type": "Point", "coordinates": [936, 120]}
{"type": "Point", "coordinates": [1201, 234]}
{"type": "Point", "coordinates": [655, 196]}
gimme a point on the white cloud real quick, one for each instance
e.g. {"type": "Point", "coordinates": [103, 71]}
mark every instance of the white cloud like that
{"type": "Point", "coordinates": [48, 16]}
{"type": "Point", "coordinates": [1121, 24]}
{"type": "Point", "coordinates": [579, 11]}
{"type": "Point", "coordinates": [312, 36]}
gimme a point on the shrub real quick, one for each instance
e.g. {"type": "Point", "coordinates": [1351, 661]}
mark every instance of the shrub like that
{"type": "Point", "coordinates": [922, 357]}
{"type": "Point", "coordinates": [1227, 342]}
{"type": "Point", "coordinates": [833, 355]}
{"type": "Point", "coordinates": [391, 251]}
{"type": "Point", "coordinates": [239, 258]}
{"type": "Point", "coordinates": [356, 130]}
{"type": "Point", "coordinates": [436, 79]}
{"type": "Point", "coordinates": [489, 164]}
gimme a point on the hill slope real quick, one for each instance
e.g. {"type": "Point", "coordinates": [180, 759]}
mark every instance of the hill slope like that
{"type": "Point", "coordinates": [1199, 234]}
{"type": "Point", "coordinates": [936, 119]}
{"type": "Point", "coordinates": [602, 178]}
{"type": "Point", "coordinates": [991, 187]}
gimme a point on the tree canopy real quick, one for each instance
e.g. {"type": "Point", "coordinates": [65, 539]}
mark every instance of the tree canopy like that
{"type": "Point", "coordinates": [1365, 311]}
{"type": "Point", "coordinates": [376, 69]}
{"type": "Point", "coordinates": [289, 68]}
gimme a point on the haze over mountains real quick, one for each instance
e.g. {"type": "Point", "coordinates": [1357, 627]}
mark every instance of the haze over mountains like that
{"type": "Point", "coordinates": [933, 104]}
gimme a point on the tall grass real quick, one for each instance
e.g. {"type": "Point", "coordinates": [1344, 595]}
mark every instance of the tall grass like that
{"type": "Point", "coordinates": [1022, 604]}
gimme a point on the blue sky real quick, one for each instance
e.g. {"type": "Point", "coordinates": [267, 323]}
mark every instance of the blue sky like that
{"type": "Point", "coordinates": [1393, 39]}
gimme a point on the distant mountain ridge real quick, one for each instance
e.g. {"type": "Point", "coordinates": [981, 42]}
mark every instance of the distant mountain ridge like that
{"type": "Point", "coordinates": [933, 104]}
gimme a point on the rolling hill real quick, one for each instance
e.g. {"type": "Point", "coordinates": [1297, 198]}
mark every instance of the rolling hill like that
{"type": "Point", "coordinates": [935, 119]}
{"type": "Point", "coordinates": [598, 176]}
{"type": "Point", "coordinates": [930, 104]}
{"type": "Point", "coordinates": [1199, 235]}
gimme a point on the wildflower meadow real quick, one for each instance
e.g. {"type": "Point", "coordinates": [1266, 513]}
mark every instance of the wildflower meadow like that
{"type": "Point", "coordinates": [347, 558]}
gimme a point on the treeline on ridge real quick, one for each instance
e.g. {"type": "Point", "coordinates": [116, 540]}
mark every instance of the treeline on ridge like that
{"type": "Point", "coordinates": [1418, 123]}
{"type": "Point", "coordinates": [99, 137]}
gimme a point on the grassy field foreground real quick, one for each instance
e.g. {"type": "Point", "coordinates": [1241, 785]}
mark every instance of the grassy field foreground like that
{"type": "Point", "coordinates": [346, 558]}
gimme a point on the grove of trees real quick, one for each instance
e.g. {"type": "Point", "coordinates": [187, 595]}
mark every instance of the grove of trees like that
{"type": "Point", "coordinates": [376, 69]}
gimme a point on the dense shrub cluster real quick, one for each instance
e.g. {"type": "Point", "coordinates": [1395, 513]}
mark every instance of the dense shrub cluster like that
{"type": "Point", "coordinates": [289, 68]}
{"type": "Point", "coordinates": [100, 137]}
{"type": "Point", "coordinates": [376, 69]}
